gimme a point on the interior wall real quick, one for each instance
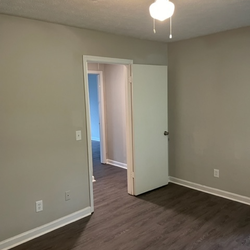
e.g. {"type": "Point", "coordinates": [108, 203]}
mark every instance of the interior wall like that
{"type": "Point", "coordinates": [96, 67]}
{"type": "Point", "coordinates": [42, 105]}
{"type": "Point", "coordinates": [94, 106]}
{"type": "Point", "coordinates": [116, 77]}
{"type": "Point", "coordinates": [209, 100]}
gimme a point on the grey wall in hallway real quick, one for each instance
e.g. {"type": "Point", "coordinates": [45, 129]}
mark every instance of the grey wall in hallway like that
{"type": "Point", "coordinates": [209, 118]}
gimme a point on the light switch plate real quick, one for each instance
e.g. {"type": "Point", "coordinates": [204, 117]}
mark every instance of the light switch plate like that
{"type": "Point", "coordinates": [78, 135]}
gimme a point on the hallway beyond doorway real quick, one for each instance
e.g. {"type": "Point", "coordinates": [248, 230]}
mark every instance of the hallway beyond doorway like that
{"type": "Point", "coordinates": [105, 170]}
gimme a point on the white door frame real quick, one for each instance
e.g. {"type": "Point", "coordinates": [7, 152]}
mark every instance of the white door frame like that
{"type": "Point", "coordinates": [101, 108]}
{"type": "Point", "coordinates": [129, 126]}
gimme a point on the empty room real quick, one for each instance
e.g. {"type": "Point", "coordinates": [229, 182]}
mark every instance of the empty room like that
{"type": "Point", "coordinates": [169, 170]}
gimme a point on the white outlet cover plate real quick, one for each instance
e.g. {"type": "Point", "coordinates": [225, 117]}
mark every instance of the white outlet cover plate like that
{"type": "Point", "coordinates": [39, 206]}
{"type": "Point", "coordinates": [216, 173]}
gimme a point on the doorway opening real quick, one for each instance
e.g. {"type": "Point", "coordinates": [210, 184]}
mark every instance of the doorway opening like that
{"type": "Point", "coordinates": [113, 77]}
{"type": "Point", "coordinates": [108, 113]}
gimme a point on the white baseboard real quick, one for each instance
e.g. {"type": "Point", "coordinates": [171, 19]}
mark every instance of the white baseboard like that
{"type": "Point", "coordinates": [117, 164]}
{"type": "Point", "coordinates": [36, 232]}
{"type": "Point", "coordinates": [210, 190]}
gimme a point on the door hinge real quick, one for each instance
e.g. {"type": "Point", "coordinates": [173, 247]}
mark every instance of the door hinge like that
{"type": "Point", "coordinates": [133, 174]}
{"type": "Point", "coordinates": [130, 79]}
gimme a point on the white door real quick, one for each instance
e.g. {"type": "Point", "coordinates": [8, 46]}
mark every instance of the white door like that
{"type": "Point", "coordinates": [149, 123]}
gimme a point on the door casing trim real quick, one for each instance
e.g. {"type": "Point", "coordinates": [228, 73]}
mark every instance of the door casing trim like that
{"type": "Point", "coordinates": [129, 119]}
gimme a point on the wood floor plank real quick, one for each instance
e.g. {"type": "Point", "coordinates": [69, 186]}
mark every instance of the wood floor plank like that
{"type": "Point", "coordinates": [169, 218]}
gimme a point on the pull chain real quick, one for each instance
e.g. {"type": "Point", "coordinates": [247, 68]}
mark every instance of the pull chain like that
{"type": "Point", "coordinates": [170, 35]}
{"type": "Point", "coordinates": [170, 23]}
{"type": "Point", "coordinates": [154, 30]}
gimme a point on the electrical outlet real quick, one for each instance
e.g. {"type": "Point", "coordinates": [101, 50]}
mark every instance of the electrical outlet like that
{"type": "Point", "coordinates": [216, 173]}
{"type": "Point", "coordinates": [67, 195]}
{"type": "Point", "coordinates": [39, 206]}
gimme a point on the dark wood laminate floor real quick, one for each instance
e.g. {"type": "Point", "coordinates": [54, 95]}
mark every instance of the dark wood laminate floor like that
{"type": "Point", "coordinates": [170, 218]}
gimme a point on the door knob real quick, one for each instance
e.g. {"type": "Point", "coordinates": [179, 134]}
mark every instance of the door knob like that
{"type": "Point", "coordinates": [166, 133]}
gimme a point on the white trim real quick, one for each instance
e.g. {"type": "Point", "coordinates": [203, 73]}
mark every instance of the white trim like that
{"type": "Point", "coordinates": [210, 190]}
{"type": "Point", "coordinates": [88, 130]}
{"type": "Point", "coordinates": [129, 133]}
{"type": "Point", "coordinates": [107, 60]}
{"type": "Point", "coordinates": [117, 164]}
{"type": "Point", "coordinates": [36, 232]}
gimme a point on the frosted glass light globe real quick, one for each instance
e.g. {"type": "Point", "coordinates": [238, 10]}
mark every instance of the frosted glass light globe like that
{"type": "Point", "coordinates": [161, 9]}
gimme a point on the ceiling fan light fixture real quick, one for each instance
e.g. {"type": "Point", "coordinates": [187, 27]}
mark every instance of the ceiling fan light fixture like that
{"type": "Point", "coordinates": [161, 9]}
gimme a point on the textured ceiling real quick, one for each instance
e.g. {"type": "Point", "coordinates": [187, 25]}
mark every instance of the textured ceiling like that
{"type": "Point", "coordinates": [192, 18]}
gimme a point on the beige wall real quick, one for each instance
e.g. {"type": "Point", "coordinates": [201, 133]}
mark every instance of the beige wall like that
{"type": "Point", "coordinates": [41, 93]}
{"type": "Point", "coordinates": [209, 118]}
{"type": "Point", "coordinates": [96, 67]}
{"type": "Point", "coordinates": [116, 77]}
